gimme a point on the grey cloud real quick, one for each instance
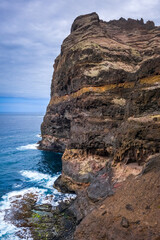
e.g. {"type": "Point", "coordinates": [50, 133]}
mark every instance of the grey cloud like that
{"type": "Point", "coordinates": [32, 32]}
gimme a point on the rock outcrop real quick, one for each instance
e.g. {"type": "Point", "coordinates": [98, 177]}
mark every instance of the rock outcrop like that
{"type": "Point", "coordinates": [131, 213]}
{"type": "Point", "coordinates": [105, 97]}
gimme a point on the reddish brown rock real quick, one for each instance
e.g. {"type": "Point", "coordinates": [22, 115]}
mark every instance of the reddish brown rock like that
{"type": "Point", "coordinates": [131, 213]}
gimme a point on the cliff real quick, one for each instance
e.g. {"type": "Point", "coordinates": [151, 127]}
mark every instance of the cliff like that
{"type": "Point", "coordinates": [105, 95]}
{"type": "Point", "coordinates": [104, 113]}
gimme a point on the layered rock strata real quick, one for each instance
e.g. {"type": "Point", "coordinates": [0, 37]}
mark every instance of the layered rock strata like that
{"type": "Point", "coordinates": [105, 97]}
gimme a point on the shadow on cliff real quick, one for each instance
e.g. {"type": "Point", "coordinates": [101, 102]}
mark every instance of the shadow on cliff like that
{"type": "Point", "coordinates": [50, 162]}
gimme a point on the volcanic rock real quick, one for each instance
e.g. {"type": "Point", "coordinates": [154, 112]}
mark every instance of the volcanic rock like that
{"type": "Point", "coordinates": [111, 219]}
{"type": "Point", "coordinates": [105, 97]}
{"type": "Point", "coordinates": [104, 116]}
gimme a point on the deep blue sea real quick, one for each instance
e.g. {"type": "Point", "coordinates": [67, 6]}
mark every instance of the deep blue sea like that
{"type": "Point", "coordinates": [24, 168]}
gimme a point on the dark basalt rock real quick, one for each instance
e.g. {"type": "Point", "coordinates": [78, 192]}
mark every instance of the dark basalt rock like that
{"type": "Point", "coordinates": [132, 23]}
{"type": "Point", "coordinates": [61, 186]}
{"type": "Point", "coordinates": [85, 20]}
{"type": "Point", "coordinates": [125, 222]}
{"type": "Point", "coordinates": [99, 189]}
{"type": "Point", "coordinates": [129, 207]}
{"type": "Point", "coordinates": [153, 163]}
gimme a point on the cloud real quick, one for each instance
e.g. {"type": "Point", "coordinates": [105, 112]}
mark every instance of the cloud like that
{"type": "Point", "coordinates": [146, 9]}
{"type": "Point", "coordinates": [32, 32]}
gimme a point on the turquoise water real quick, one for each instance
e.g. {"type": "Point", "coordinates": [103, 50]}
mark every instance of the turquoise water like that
{"type": "Point", "coordinates": [23, 168]}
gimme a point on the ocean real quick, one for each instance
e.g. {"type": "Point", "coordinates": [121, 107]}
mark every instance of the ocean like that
{"type": "Point", "coordinates": [24, 168]}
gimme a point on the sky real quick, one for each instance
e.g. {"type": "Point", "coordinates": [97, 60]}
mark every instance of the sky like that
{"type": "Point", "coordinates": [31, 34]}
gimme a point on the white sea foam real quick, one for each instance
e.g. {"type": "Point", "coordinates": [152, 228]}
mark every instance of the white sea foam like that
{"type": "Point", "coordinates": [62, 197]}
{"type": "Point", "coordinates": [28, 147]}
{"type": "Point", "coordinates": [38, 135]}
{"type": "Point", "coordinates": [8, 230]}
{"type": "Point", "coordinates": [5, 227]}
{"type": "Point", "coordinates": [42, 179]}
{"type": "Point", "coordinates": [47, 181]}
{"type": "Point", "coordinates": [17, 185]}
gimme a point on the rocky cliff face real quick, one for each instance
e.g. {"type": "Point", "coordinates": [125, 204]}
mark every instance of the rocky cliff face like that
{"type": "Point", "coordinates": [104, 116]}
{"type": "Point", "coordinates": [105, 97]}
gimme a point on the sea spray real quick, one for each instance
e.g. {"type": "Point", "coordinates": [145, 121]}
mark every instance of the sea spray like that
{"type": "Point", "coordinates": [28, 147]}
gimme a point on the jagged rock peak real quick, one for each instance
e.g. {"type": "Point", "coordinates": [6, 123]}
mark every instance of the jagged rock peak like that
{"type": "Point", "coordinates": [85, 20]}
{"type": "Point", "coordinates": [93, 18]}
{"type": "Point", "coordinates": [132, 23]}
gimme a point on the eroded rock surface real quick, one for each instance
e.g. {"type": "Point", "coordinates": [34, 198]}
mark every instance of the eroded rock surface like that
{"type": "Point", "coordinates": [105, 96]}
{"type": "Point", "coordinates": [131, 213]}
{"type": "Point", "coordinates": [40, 221]}
{"type": "Point", "coordinates": [104, 116]}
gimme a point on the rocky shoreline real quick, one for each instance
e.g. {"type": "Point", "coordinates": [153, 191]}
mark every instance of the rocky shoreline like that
{"type": "Point", "coordinates": [40, 221]}
{"type": "Point", "coordinates": [127, 206]}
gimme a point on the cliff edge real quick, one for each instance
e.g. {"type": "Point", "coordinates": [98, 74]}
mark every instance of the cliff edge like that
{"type": "Point", "coordinates": [104, 114]}
{"type": "Point", "coordinates": [105, 95]}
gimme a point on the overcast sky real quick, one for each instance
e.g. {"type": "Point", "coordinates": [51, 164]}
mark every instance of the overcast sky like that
{"type": "Point", "coordinates": [31, 33]}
